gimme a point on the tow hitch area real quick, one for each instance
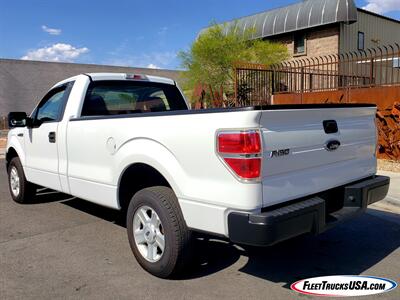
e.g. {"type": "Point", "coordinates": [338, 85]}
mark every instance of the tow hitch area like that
{"type": "Point", "coordinates": [305, 216]}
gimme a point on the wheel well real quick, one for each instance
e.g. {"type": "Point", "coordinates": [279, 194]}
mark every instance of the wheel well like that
{"type": "Point", "coordinates": [136, 177]}
{"type": "Point", "coordinates": [11, 153]}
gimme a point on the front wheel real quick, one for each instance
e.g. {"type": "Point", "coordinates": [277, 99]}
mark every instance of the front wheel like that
{"type": "Point", "coordinates": [21, 190]}
{"type": "Point", "coordinates": [157, 232]}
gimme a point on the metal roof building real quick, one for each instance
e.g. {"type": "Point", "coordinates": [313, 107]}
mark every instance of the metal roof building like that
{"type": "Point", "coordinates": [298, 16]}
{"type": "Point", "coordinates": [337, 24]}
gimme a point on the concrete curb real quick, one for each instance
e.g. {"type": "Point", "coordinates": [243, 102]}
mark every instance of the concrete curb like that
{"type": "Point", "coordinates": [393, 197]}
{"type": "Point", "coordinates": [391, 201]}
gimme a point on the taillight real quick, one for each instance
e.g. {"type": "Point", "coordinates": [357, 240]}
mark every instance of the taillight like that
{"type": "Point", "coordinates": [239, 143]}
{"type": "Point", "coordinates": [242, 152]}
{"type": "Point", "coordinates": [245, 168]}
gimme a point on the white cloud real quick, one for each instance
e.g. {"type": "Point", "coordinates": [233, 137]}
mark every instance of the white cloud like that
{"type": "Point", "coordinates": [155, 60]}
{"type": "Point", "coordinates": [51, 31]}
{"type": "Point", "coordinates": [152, 66]}
{"type": "Point", "coordinates": [57, 52]}
{"type": "Point", "coordinates": [163, 30]}
{"type": "Point", "coordinates": [382, 6]}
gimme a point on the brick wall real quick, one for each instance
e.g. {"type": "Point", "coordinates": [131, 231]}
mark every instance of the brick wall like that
{"type": "Point", "coordinates": [320, 41]}
{"type": "Point", "coordinates": [323, 42]}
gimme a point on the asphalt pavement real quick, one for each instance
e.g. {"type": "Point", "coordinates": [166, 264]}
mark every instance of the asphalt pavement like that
{"type": "Point", "coordinates": [63, 247]}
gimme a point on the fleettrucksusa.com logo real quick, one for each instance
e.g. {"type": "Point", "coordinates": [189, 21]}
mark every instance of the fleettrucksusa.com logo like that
{"type": "Point", "coordinates": [344, 286]}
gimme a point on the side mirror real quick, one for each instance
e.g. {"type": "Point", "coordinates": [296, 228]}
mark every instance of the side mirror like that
{"type": "Point", "coordinates": [18, 119]}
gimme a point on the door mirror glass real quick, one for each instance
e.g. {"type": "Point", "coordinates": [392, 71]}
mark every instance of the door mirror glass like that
{"type": "Point", "coordinates": [17, 119]}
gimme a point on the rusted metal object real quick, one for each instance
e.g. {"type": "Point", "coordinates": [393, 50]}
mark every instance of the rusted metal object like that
{"type": "Point", "coordinates": [382, 96]}
{"type": "Point", "coordinates": [388, 122]}
{"type": "Point", "coordinates": [206, 96]}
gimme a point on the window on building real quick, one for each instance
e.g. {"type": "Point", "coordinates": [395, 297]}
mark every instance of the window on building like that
{"type": "Point", "coordinates": [396, 62]}
{"type": "Point", "coordinates": [361, 40]}
{"type": "Point", "coordinates": [300, 43]}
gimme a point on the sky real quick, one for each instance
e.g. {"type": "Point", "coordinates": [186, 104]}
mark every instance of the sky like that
{"type": "Point", "coordinates": [146, 33]}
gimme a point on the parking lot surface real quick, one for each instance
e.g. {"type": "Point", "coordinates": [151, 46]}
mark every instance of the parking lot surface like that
{"type": "Point", "coordinates": [62, 247]}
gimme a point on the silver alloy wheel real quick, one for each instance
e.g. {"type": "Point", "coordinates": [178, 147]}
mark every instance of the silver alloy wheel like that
{"type": "Point", "coordinates": [148, 233]}
{"type": "Point", "coordinates": [14, 181]}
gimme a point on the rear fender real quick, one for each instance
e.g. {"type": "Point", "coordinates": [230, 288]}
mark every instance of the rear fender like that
{"type": "Point", "coordinates": [153, 154]}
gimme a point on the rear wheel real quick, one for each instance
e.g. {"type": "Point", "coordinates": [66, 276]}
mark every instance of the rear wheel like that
{"type": "Point", "coordinates": [21, 190]}
{"type": "Point", "coordinates": [157, 232]}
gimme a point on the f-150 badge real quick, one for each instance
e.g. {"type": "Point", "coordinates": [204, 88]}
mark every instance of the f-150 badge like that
{"type": "Point", "coordinates": [279, 153]}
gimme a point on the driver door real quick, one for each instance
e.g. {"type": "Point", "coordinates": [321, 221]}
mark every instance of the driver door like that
{"type": "Point", "coordinates": [41, 142]}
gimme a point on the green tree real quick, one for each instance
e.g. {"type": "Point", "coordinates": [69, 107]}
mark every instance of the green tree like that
{"type": "Point", "coordinates": [211, 57]}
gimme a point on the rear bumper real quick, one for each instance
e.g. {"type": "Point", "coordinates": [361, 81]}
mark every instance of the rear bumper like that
{"type": "Point", "coordinates": [304, 216]}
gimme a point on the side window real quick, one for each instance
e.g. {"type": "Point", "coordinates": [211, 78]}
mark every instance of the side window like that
{"type": "Point", "coordinates": [50, 107]}
{"type": "Point", "coordinates": [361, 40]}
{"type": "Point", "coordinates": [300, 43]}
{"type": "Point", "coordinates": [396, 62]}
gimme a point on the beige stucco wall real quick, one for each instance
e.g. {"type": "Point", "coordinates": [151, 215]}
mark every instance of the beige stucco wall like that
{"type": "Point", "coordinates": [378, 32]}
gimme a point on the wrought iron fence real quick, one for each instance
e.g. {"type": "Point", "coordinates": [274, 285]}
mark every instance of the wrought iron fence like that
{"type": "Point", "coordinates": [253, 83]}
{"type": "Point", "coordinates": [378, 66]}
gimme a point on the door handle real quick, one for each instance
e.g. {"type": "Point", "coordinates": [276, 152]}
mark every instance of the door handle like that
{"type": "Point", "coordinates": [52, 137]}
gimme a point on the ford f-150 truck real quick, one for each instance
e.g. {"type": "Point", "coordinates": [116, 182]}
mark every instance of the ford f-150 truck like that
{"type": "Point", "coordinates": [253, 175]}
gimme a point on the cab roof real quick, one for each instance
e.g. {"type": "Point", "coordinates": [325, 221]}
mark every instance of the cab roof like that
{"type": "Point", "coordinates": [121, 76]}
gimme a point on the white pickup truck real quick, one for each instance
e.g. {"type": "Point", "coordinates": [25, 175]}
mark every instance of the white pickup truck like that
{"type": "Point", "coordinates": [254, 175]}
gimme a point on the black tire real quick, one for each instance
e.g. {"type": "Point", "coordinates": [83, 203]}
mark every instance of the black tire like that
{"type": "Point", "coordinates": [176, 253]}
{"type": "Point", "coordinates": [27, 190]}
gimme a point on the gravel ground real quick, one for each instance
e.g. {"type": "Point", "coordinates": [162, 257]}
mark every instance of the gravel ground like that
{"type": "Point", "coordinates": [389, 165]}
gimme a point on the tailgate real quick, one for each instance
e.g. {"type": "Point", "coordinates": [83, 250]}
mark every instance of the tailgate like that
{"type": "Point", "coordinates": [303, 155]}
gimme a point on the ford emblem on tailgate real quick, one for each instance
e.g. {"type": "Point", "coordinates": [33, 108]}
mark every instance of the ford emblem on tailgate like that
{"type": "Point", "coordinates": [332, 145]}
